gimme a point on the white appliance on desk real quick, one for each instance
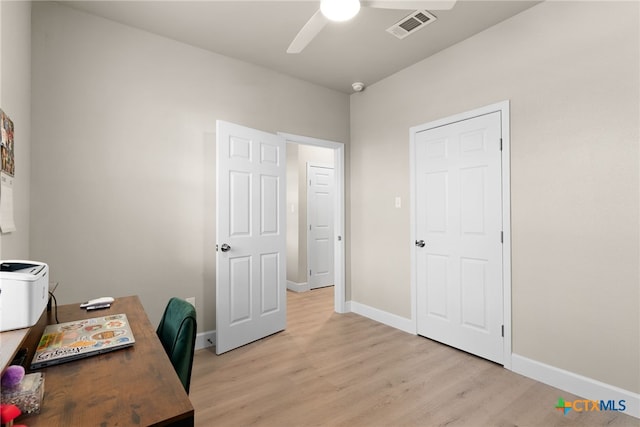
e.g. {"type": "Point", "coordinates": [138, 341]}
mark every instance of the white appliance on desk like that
{"type": "Point", "coordinates": [24, 292]}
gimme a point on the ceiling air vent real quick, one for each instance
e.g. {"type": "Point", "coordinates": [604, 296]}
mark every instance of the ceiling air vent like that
{"type": "Point", "coordinates": [412, 23]}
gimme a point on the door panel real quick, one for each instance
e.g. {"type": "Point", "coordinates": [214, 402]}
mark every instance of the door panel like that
{"type": "Point", "coordinates": [250, 272]}
{"type": "Point", "coordinates": [240, 293]}
{"type": "Point", "coordinates": [269, 210]}
{"type": "Point", "coordinates": [459, 216]}
{"type": "Point", "coordinates": [320, 204]}
{"type": "Point", "coordinates": [240, 215]}
{"type": "Point", "coordinates": [437, 294]}
{"type": "Point", "coordinates": [269, 283]}
{"type": "Point", "coordinates": [473, 286]}
{"type": "Point", "coordinates": [436, 185]}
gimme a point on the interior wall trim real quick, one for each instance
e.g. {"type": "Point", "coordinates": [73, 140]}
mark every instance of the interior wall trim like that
{"type": "Point", "coordinates": [205, 339]}
{"type": "Point", "coordinates": [579, 385]}
{"type": "Point", "coordinates": [386, 318]}
{"type": "Point", "coordinates": [298, 287]}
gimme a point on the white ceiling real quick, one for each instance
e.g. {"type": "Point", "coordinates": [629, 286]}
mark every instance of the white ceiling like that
{"type": "Point", "coordinates": [259, 32]}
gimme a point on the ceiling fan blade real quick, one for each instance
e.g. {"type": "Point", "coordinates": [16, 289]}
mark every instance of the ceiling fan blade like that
{"type": "Point", "coordinates": [411, 5]}
{"type": "Point", "coordinates": [311, 29]}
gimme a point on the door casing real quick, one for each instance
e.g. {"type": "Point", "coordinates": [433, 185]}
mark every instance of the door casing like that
{"type": "Point", "coordinates": [339, 293]}
{"type": "Point", "coordinates": [503, 108]}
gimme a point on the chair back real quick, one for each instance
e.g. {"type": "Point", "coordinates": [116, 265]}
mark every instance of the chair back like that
{"type": "Point", "coordinates": [177, 332]}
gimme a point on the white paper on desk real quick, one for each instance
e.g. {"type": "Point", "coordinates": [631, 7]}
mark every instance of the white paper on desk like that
{"type": "Point", "coordinates": [7, 223]}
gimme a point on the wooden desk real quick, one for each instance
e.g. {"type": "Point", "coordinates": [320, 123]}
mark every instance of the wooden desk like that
{"type": "Point", "coordinates": [10, 343]}
{"type": "Point", "coordinates": [135, 386]}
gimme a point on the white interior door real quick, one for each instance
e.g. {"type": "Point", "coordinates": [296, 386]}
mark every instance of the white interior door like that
{"type": "Point", "coordinates": [458, 202]}
{"type": "Point", "coordinates": [320, 208]}
{"type": "Point", "coordinates": [250, 231]}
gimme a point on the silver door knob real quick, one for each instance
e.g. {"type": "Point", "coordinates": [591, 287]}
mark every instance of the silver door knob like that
{"type": "Point", "coordinates": [225, 247]}
{"type": "Point", "coordinates": [420, 243]}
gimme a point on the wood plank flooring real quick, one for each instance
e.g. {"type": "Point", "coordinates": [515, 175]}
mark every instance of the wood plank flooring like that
{"type": "Point", "coordinates": [331, 369]}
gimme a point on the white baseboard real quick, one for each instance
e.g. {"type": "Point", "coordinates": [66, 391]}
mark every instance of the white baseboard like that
{"type": "Point", "coordinates": [576, 384]}
{"type": "Point", "coordinates": [395, 321]}
{"type": "Point", "coordinates": [205, 339]}
{"type": "Point", "coordinates": [297, 287]}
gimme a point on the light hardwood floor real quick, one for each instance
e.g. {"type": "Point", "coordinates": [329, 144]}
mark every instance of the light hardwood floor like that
{"type": "Point", "coordinates": [331, 369]}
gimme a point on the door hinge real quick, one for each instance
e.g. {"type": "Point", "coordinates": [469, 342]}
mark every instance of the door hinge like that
{"type": "Point", "coordinates": [216, 248]}
{"type": "Point", "coordinates": [309, 227]}
{"type": "Point", "coordinates": [309, 272]}
{"type": "Point", "coordinates": [503, 330]}
{"type": "Point", "coordinates": [502, 237]}
{"type": "Point", "coordinates": [309, 183]}
{"type": "Point", "coordinates": [500, 144]}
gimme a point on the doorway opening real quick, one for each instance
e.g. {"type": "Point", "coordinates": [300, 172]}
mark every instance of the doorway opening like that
{"type": "Point", "coordinates": [315, 216]}
{"type": "Point", "coordinates": [251, 232]}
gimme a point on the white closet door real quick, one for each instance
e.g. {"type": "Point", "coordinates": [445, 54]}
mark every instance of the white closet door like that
{"type": "Point", "coordinates": [459, 235]}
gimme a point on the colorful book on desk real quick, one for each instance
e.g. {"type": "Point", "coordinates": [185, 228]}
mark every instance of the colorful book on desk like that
{"type": "Point", "coordinates": [83, 338]}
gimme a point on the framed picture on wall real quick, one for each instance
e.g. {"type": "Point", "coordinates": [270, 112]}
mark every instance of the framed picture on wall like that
{"type": "Point", "coordinates": [8, 156]}
{"type": "Point", "coordinates": [7, 173]}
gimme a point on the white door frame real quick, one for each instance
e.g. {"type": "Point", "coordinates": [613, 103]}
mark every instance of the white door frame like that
{"type": "Point", "coordinates": [339, 294]}
{"type": "Point", "coordinates": [503, 108]}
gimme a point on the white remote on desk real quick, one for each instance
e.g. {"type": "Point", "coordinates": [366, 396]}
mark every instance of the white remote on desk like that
{"type": "Point", "coordinates": [97, 301]}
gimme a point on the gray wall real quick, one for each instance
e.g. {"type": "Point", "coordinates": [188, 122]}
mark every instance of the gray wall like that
{"type": "Point", "coordinates": [15, 100]}
{"type": "Point", "coordinates": [123, 157]}
{"type": "Point", "coordinates": [571, 71]}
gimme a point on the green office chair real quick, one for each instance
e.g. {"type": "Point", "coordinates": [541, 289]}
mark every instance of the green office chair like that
{"type": "Point", "coordinates": [177, 332]}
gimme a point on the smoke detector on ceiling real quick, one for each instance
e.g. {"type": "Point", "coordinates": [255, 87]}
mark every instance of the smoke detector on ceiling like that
{"type": "Point", "coordinates": [358, 86]}
{"type": "Point", "coordinates": [412, 23]}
